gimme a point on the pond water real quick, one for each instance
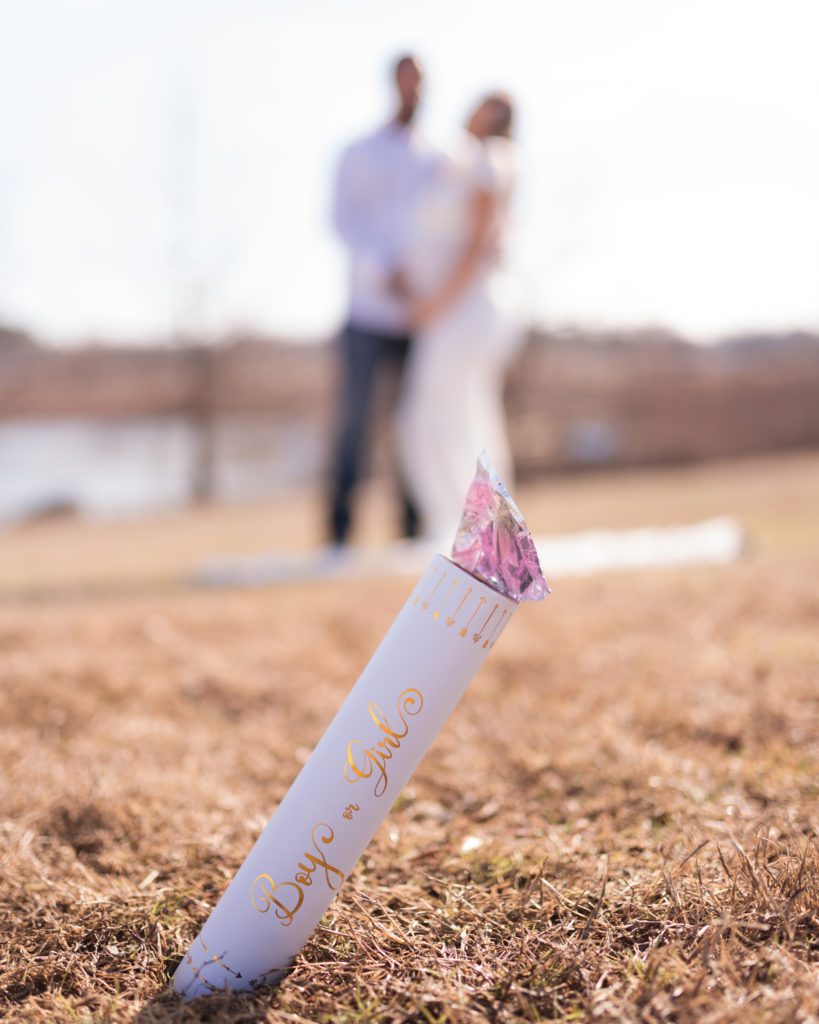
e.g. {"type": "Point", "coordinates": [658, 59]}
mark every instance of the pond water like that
{"type": "Point", "coordinates": [105, 468]}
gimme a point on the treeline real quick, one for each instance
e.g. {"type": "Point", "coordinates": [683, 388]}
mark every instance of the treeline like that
{"type": "Point", "coordinates": [575, 398]}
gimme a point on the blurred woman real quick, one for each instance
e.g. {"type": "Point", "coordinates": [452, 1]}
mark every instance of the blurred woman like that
{"type": "Point", "coordinates": [466, 327]}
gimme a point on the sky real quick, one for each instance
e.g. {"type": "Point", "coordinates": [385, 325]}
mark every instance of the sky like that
{"type": "Point", "coordinates": [168, 164]}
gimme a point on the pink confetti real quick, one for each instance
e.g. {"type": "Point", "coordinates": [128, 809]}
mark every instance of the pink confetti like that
{"type": "Point", "coordinates": [493, 541]}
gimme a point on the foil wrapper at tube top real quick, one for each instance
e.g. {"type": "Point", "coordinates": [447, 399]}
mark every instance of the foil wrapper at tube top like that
{"type": "Point", "coordinates": [493, 541]}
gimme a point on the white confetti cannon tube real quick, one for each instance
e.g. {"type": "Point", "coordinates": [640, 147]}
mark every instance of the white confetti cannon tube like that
{"type": "Point", "coordinates": [382, 730]}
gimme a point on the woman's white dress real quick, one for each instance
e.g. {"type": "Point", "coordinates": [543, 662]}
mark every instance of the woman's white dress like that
{"type": "Point", "coordinates": [452, 398]}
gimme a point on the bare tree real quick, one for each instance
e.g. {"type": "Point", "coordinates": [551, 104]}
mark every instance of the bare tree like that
{"type": "Point", "coordinates": [196, 266]}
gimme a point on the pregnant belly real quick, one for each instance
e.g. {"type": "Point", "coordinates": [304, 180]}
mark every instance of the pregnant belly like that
{"type": "Point", "coordinates": [436, 238]}
{"type": "Point", "coordinates": [484, 322]}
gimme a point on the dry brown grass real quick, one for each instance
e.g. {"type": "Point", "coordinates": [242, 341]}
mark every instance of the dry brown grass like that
{"type": "Point", "coordinates": [618, 823]}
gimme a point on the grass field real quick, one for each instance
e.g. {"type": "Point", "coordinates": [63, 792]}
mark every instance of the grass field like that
{"type": "Point", "coordinates": [620, 822]}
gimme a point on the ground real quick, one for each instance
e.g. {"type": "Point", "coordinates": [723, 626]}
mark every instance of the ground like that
{"type": "Point", "coordinates": [618, 823]}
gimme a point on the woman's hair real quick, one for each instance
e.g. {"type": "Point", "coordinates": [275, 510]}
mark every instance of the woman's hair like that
{"type": "Point", "coordinates": [502, 112]}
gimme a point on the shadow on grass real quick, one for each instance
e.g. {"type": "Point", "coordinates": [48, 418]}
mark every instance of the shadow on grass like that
{"type": "Point", "coordinates": [218, 1007]}
{"type": "Point", "coordinates": [168, 1007]}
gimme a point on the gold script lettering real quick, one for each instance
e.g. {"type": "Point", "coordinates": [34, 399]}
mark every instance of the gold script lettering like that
{"type": "Point", "coordinates": [318, 860]}
{"type": "Point", "coordinates": [371, 762]}
{"type": "Point", "coordinates": [262, 898]}
{"type": "Point", "coordinates": [262, 891]}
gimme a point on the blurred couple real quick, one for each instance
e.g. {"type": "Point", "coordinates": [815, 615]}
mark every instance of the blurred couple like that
{"type": "Point", "coordinates": [430, 300]}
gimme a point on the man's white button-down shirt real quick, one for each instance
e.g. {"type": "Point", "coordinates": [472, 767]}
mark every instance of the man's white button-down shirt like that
{"type": "Point", "coordinates": [379, 179]}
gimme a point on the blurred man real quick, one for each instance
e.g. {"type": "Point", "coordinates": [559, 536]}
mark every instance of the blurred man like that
{"type": "Point", "coordinates": [378, 179]}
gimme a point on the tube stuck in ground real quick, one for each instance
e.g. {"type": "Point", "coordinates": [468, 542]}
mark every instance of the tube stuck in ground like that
{"type": "Point", "coordinates": [451, 620]}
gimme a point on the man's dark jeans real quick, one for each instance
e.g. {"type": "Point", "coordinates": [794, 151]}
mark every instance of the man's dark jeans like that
{"type": "Point", "coordinates": [365, 356]}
